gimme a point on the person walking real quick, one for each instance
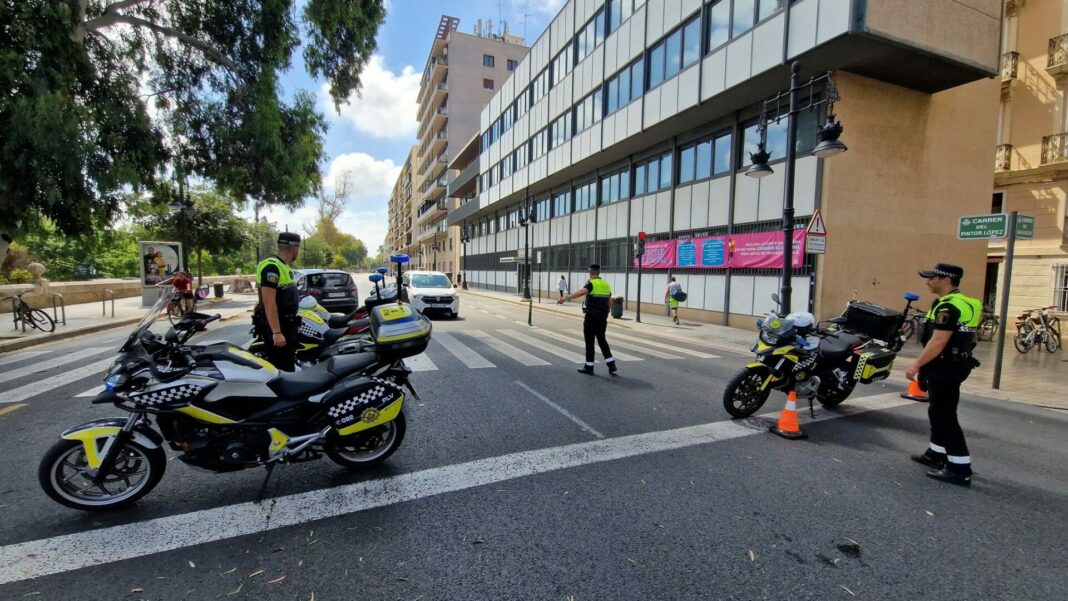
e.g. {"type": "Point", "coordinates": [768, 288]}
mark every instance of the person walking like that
{"type": "Point", "coordinates": [561, 286]}
{"type": "Point", "coordinates": [596, 308]}
{"type": "Point", "coordinates": [946, 362]}
{"type": "Point", "coordinates": [275, 317]}
{"type": "Point", "coordinates": [671, 298]}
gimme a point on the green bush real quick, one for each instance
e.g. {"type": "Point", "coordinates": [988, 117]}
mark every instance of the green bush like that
{"type": "Point", "coordinates": [16, 276]}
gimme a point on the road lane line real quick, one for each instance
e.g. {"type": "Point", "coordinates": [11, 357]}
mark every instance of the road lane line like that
{"type": "Point", "coordinates": [420, 362]}
{"type": "Point", "coordinates": [666, 347]}
{"type": "Point", "coordinates": [91, 392]}
{"type": "Point", "coordinates": [22, 372]}
{"type": "Point", "coordinates": [545, 346]}
{"type": "Point", "coordinates": [541, 397]}
{"type": "Point", "coordinates": [17, 395]}
{"type": "Point", "coordinates": [11, 408]}
{"type": "Point", "coordinates": [20, 356]}
{"type": "Point", "coordinates": [641, 348]}
{"type": "Point", "coordinates": [511, 351]}
{"type": "Point", "coordinates": [43, 557]}
{"type": "Point", "coordinates": [581, 344]}
{"type": "Point", "coordinates": [461, 351]}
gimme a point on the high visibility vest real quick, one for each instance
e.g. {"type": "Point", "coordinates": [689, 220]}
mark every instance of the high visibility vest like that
{"type": "Point", "coordinates": [287, 290]}
{"type": "Point", "coordinates": [971, 312]}
{"type": "Point", "coordinates": [599, 297]}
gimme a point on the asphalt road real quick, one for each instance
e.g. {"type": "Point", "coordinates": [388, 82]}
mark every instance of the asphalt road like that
{"type": "Point", "coordinates": [520, 479]}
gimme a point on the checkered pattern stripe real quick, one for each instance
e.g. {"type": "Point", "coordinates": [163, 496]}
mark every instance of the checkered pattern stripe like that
{"type": "Point", "coordinates": [370, 397]}
{"type": "Point", "coordinates": [167, 396]}
{"type": "Point", "coordinates": [307, 330]}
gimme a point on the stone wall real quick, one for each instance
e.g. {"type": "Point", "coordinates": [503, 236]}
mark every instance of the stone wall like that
{"type": "Point", "coordinates": [87, 291]}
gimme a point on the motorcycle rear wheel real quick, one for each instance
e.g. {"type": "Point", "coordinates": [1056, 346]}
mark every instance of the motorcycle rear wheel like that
{"type": "Point", "coordinates": [66, 477]}
{"type": "Point", "coordinates": [743, 396]}
{"type": "Point", "coordinates": [830, 395]}
{"type": "Point", "coordinates": [369, 447]}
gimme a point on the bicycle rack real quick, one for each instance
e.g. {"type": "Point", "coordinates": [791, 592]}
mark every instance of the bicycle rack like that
{"type": "Point", "coordinates": [104, 302]}
{"type": "Point", "coordinates": [62, 307]}
{"type": "Point", "coordinates": [15, 314]}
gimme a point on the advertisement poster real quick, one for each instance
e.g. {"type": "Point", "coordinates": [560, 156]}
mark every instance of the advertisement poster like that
{"type": "Point", "coordinates": [159, 261]}
{"type": "Point", "coordinates": [759, 251]}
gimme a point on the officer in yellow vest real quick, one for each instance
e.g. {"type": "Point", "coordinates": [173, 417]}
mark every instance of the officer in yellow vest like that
{"type": "Point", "coordinates": [946, 361]}
{"type": "Point", "coordinates": [275, 317]}
{"type": "Point", "coordinates": [598, 305]}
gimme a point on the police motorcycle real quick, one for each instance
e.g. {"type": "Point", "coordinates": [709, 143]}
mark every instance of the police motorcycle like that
{"type": "Point", "coordinates": [794, 354]}
{"type": "Point", "coordinates": [223, 409]}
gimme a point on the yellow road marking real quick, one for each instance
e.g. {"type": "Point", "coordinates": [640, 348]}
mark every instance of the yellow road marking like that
{"type": "Point", "coordinates": [11, 408]}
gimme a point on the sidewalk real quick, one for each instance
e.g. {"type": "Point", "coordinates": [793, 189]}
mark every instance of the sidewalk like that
{"type": "Point", "coordinates": [88, 318]}
{"type": "Point", "coordinates": [1037, 378]}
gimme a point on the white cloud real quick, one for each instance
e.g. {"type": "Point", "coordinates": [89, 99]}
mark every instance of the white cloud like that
{"type": "Point", "coordinates": [371, 178]}
{"type": "Point", "coordinates": [386, 106]}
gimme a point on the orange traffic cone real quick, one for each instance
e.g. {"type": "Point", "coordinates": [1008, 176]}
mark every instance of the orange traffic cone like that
{"type": "Point", "coordinates": [914, 393]}
{"type": "Point", "coordinates": [787, 426]}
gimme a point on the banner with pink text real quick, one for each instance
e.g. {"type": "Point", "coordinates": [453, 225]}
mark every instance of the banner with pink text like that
{"type": "Point", "coordinates": [762, 250]}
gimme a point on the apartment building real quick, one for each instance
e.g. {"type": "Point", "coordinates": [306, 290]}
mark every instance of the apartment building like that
{"type": "Point", "coordinates": [399, 234]}
{"type": "Point", "coordinates": [1031, 161]}
{"type": "Point", "coordinates": [634, 115]}
{"type": "Point", "coordinates": [463, 71]}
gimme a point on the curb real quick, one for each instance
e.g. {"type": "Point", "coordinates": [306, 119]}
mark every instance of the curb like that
{"type": "Point", "coordinates": [16, 345]}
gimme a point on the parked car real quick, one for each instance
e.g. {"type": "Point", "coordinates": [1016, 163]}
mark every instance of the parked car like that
{"type": "Point", "coordinates": [334, 289]}
{"type": "Point", "coordinates": [431, 292]}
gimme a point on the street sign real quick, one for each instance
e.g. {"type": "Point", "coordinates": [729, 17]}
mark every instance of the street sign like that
{"type": "Point", "coordinates": [815, 245]}
{"type": "Point", "coordinates": [1025, 227]}
{"type": "Point", "coordinates": [816, 226]}
{"type": "Point", "coordinates": [983, 227]}
{"type": "Point", "coordinates": [509, 259]}
{"type": "Point", "coordinates": [539, 258]}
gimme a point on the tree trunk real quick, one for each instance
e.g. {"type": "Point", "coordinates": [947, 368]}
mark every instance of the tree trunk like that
{"type": "Point", "coordinates": [200, 267]}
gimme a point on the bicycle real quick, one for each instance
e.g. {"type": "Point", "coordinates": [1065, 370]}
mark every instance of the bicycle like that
{"type": "Point", "coordinates": [1037, 326]}
{"type": "Point", "coordinates": [913, 324]}
{"type": "Point", "coordinates": [23, 312]}
{"type": "Point", "coordinates": [988, 326]}
{"type": "Point", "coordinates": [176, 307]}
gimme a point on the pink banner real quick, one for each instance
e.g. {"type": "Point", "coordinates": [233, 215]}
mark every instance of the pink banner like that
{"type": "Point", "coordinates": [762, 250]}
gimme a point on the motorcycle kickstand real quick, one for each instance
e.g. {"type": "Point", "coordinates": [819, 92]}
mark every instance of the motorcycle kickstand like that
{"type": "Point", "coordinates": [811, 409]}
{"type": "Point", "coordinates": [266, 479]}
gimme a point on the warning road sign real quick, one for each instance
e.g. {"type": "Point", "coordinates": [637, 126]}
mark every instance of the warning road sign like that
{"type": "Point", "coordinates": [816, 226]}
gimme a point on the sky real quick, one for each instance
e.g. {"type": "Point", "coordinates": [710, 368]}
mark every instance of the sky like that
{"type": "Point", "coordinates": [371, 134]}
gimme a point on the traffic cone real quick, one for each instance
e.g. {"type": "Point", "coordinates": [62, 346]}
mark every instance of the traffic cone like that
{"type": "Point", "coordinates": [914, 393]}
{"type": "Point", "coordinates": [787, 426]}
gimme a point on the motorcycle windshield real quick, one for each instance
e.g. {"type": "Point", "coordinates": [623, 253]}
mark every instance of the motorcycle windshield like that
{"type": "Point", "coordinates": [146, 322]}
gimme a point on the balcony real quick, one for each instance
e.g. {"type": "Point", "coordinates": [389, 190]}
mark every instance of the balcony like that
{"type": "Point", "coordinates": [1054, 149]}
{"type": "Point", "coordinates": [1057, 59]}
{"type": "Point", "coordinates": [1010, 62]}
{"type": "Point", "coordinates": [432, 211]}
{"type": "Point", "coordinates": [1003, 158]}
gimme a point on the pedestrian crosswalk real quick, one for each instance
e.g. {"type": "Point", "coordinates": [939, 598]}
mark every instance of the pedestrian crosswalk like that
{"type": "Point", "coordinates": [30, 374]}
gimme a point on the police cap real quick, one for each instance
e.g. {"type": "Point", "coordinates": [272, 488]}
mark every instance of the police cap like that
{"type": "Point", "coordinates": [594, 267]}
{"type": "Point", "coordinates": [288, 239]}
{"type": "Point", "coordinates": [944, 270]}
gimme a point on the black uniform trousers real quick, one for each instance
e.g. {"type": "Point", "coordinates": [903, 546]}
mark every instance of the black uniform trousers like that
{"type": "Point", "coordinates": [593, 327]}
{"type": "Point", "coordinates": [942, 380]}
{"type": "Point", "coordinates": [284, 358]}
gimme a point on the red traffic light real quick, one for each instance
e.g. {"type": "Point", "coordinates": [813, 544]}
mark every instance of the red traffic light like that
{"type": "Point", "coordinates": [641, 236]}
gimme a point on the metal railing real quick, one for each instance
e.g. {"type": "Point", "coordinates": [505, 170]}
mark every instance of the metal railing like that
{"type": "Point", "coordinates": [1010, 62]}
{"type": "Point", "coordinates": [1057, 55]}
{"type": "Point", "coordinates": [62, 307]}
{"type": "Point", "coordinates": [1003, 158]}
{"type": "Point", "coordinates": [1054, 149]}
{"type": "Point", "coordinates": [104, 302]}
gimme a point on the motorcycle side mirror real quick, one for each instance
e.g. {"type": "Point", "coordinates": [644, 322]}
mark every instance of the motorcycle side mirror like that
{"type": "Point", "coordinates": [775, 297]}
{"type": "Point", "coordinates": [912, 296]}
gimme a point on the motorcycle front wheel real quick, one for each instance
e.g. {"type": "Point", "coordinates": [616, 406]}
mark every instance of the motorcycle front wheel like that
{"type": "Point", "coordinates": [65, 475]}
{"type": "Point", "coordinates": [743, 396]}
{"type": "Point", "coordinates": [830, 395]}
{"type": "Point", "coordinates": [367, 448]}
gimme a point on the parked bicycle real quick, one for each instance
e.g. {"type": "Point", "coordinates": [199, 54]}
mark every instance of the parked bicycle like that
{"type": "Point", "coordinates": [988, 326]}
{"type": "Point", "coordinates": [35, 318]}
{"type": "Point", "coordinates": [1038, 327]}
{"type": "Point", "coordinates": [913, 326]}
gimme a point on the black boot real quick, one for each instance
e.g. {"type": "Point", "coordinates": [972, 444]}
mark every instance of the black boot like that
{"type": "Point", "coordinates": [612, 369]}
{"type": "Point", "coordinates": [586, 369]}
{"type": "Point", "coordinates": [931, 462]}
{"type": "Point", "coordinates": [947, 475]}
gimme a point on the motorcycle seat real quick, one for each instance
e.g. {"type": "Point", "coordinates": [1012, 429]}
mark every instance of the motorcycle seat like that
{"type": "Point", "coordinates": [337, 320]}
{"type": "Point", "coordinates": [319, 377]}
{"type": "Point", "coordinates": [838, 346]}
{"type": "Point", "coordinates": [333, 335]}
{"type": "Point", "coordinates": [346, 365]}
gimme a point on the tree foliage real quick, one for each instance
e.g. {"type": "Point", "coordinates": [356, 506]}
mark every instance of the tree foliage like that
{"type": "Point", "coordinates": [103, 97]}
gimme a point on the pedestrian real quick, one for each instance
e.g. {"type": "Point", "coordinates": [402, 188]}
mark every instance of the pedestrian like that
{"type": "Point", "coordinates": [275, 317]}
{"type": "Point", "coordinates": [596, 308]}
{"type": "Point", "coordinates": [459, 279]}
{"type": "Point", "coordinates": [949, 336]}
{"type": "Point", "coordinates": [561, 286]}
{"type": "Point", "coordinates": [672, 296]}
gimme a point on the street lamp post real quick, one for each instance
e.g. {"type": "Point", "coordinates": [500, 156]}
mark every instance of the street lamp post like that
{"type": "Point", "coordinates": [527, 217]}
{"type": "Point", "coordinates": [182, 204]}
{"type": "Point", "coordinates": [828, 145]}
{"type": "Point", "coordinates": [465, 237]}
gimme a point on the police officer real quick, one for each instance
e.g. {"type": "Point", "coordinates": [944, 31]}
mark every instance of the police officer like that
{"type": "Point", "coordinates": [275, 317]}
{"type": "Point", "coordinates": [946, 361]}
{"type": "Point", "coordinates": [593, 326]}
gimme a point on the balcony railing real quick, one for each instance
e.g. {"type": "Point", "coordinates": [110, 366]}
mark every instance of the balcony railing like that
{"type": "Point", "coordinates": [1003, 158]}
{"type": "Point", "coordinates": [1054, 149]}
{"type": "Point", "coordinates": [1010, 61]}
{"type": "Point", "coordinates": [1057, 59]}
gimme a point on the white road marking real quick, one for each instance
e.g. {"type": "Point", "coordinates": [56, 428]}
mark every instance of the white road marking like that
{"type": "Point", "coordinates": [461, 351]}
{"type": "Point", "coordinates": [541, 397]}
{"type": "Point", "coordinates": [43, 557]}
{"type": "Point", "coordinates": [666, 347]}
{"type": "Point", "coordinates": [581, 344]}
{"type": "Point", "coordinates": [501, 316]}
{"type": "Point", "coordinates": [95, 390]}
{"type": "Point", "coordinates": [20, 356]}
{"type": "Point", "coordinates": [22, 372]}
{"type": "Point", "coordinates": [545, 346]}
{"type": "Point", "coordinates": [420, 363]}
{"type": "Point", "coordinates": [613, 341]}
{"type": "Point", "coordinates": [511, 351]}
{"type": "Point", "coordinates": [33, 389]}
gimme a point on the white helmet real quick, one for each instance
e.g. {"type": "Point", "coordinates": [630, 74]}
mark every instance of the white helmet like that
{"type": "Point", "coordinates": [802, 319]}
{"type": "Point", "coordinates": [308, 302]}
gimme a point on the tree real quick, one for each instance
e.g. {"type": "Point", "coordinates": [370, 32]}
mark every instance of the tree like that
{"type": "Point", "coordinates": [210, 225]}
{"type": "Point", "coordinates": [77, 130]}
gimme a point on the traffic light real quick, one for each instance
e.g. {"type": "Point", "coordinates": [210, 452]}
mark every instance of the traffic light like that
{"type": "Point", "coordinates": [639, 245]}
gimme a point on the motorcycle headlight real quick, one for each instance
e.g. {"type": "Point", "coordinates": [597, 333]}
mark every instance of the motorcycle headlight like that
{"type": "Point", "coordinates": [114, 382]}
